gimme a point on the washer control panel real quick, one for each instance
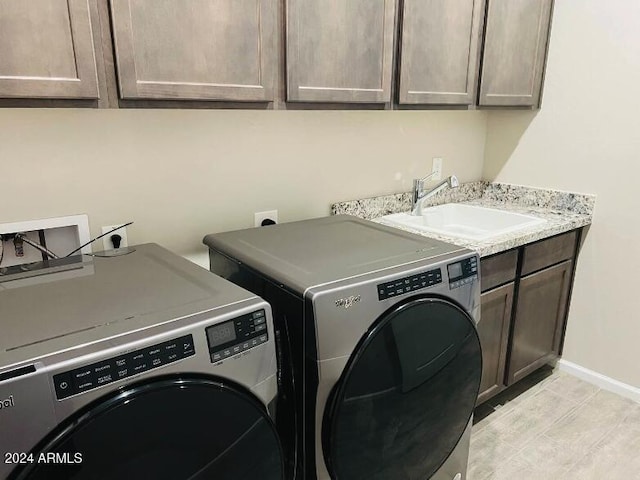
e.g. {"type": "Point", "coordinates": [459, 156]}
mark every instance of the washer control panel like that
{"type": "Point", "coordinates": [101, 373]}
{"type": "Point", "coordinates": [235, 336]}
{"type": "Point", "coordinates": [463, 272]}
{"type": "Point", "coordinates": [409, 284]}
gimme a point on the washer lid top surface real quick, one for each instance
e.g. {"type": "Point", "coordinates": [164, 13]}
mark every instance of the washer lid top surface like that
{"type": "Point", "coordinates": [151, 284]}
{"type": "Point", "coordinates": [318, 251]}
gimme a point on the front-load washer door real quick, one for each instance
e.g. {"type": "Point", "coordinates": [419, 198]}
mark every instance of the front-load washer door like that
{"type": "Point", "coordinates": [406, 395]}
{"type": "Point", "coordinates": [171, 428]}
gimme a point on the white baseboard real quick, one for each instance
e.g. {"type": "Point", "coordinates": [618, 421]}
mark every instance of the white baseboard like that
{"type": "Point", "coordinates": [599, 380]}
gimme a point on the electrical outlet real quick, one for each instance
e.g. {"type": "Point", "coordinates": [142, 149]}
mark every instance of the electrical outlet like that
{"type": "Point", "coordinates": [259, 217]}
{"type": "Point", "coordinates": [436, 169]}
{"type": "Point", "coordinates": [106, 240]}
{"type": "Point", "coordinates": [60, 235]}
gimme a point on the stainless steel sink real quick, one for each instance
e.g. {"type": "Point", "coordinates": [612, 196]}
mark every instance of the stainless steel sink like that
{"type": "Point", "coordinates": [465, 221]}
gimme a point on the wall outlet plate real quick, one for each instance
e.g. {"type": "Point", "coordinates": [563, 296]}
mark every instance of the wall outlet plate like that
{"type": "Point", "coordinates": [259, 217]}
{"type": "Point", "coordinates": [106, 240]}
{"type": "Point", "coordinates": [61, 235]}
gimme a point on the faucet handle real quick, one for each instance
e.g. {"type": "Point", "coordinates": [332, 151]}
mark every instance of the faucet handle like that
{"type": "Point", "coordinates": [418, 186]}
{"type": "Point", "coordinates": [427, 177]}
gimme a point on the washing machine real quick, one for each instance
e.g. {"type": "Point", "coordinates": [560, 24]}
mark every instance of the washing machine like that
{"type": "Point", "coordinates": [377, 330]}
{"type": "Point", "coordinates": [142, 365]}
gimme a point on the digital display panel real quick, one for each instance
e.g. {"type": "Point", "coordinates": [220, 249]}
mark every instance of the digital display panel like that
{"type": "Point", "coordinates": [455, 270]}
{"type": "Point", "coordinates": [220, 334]}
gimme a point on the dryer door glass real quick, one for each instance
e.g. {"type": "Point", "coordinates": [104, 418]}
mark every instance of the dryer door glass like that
{"type": "Point", "coordinates": [406, 395]}
{"type": "Point", "coordinates": [170, 429]}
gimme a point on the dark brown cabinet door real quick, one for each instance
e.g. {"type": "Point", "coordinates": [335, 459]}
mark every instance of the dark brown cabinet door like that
{"type": "Point", "coordinates": [540, 315]}
{"type": "Point", "coordinates": [493, 330]}
{"type": "Point", "coordinates": [498, 269]}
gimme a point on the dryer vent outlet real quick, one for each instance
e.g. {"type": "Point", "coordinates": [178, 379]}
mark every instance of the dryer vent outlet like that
{"type": "Point", "coordinates": [262, 219]}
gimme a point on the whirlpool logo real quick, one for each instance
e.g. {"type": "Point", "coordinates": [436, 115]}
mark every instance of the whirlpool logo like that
{"type": "Point", "coordinates": [348, 302]}
{"type": "Point", "coordinates": [7, 403]}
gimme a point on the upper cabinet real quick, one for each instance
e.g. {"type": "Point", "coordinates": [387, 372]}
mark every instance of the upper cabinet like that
{"type": "Point", "coordinates": [439, 51]}
{"type": "Point", "coordinates": [119, 52]}
{"type": "Point", "coordinates": [47, 50]}
{"type": "Point", "coordinates": [515, 50]}
{"type": "Point", "coordinates": [340, 51]}
{"type": "Point", "coordinates": [195, 50]}
{"type": "Point", "coordinates": [440, 45]}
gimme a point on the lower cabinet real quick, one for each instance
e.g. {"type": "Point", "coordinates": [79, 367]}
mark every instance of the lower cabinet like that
{"type": "Point", "coordinates": [524, 303]}
{"type": "Point", "coordinates": [540, 315]}
{"type": "Point", "coordinates": [493, 330]}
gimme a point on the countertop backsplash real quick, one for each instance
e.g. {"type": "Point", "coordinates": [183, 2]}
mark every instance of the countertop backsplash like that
{"type": "Point", "coordinates": [374, 207]}
{"type": "Point", "coordinates": [516, 195]}
{"type": "Point", "coordinates": [580, 203]}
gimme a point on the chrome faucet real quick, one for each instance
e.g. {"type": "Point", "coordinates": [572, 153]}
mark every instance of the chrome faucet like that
{"type": "Point", "coordinates": [420, 194]}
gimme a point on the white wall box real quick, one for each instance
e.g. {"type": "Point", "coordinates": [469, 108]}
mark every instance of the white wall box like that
{"type": "Point", "coordinates": [61, 235]}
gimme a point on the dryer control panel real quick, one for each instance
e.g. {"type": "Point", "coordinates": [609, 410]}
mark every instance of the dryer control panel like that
{"type": "Point", "coordinates": [235, 336]}
{"type": "Point", "coordinates": [101, 373]}
{"type": "Point", "coordinates": [462, 272]}
{"type": "Point", "coordinates": [409, 284]}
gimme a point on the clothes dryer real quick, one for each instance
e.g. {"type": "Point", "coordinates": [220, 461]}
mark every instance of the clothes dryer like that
{"type": "Point", "coordinates": [381, 361]}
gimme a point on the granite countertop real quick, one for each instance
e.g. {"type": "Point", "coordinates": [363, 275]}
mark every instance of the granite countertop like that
{"type": "Point", "coordinates": [563, 211]}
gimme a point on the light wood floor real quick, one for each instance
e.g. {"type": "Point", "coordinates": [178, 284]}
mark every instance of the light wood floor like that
{"type": "Point", "coordinates": [558, 428]}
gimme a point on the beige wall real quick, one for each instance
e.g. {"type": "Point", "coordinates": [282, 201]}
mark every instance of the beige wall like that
{"type": "Point", "coordinates": [181, 174]}
{"type": "Point", "coordinates": [586, 138]}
